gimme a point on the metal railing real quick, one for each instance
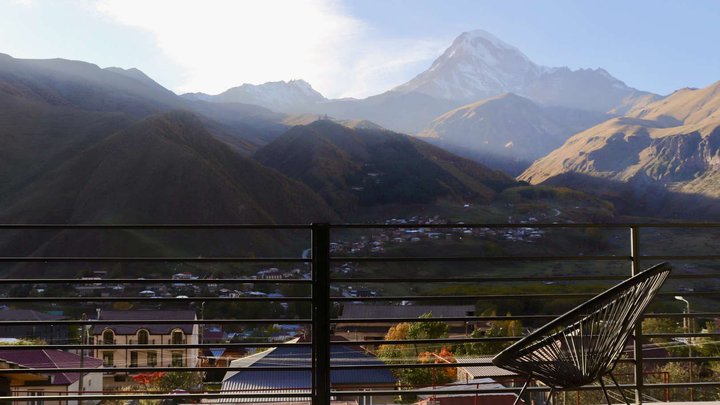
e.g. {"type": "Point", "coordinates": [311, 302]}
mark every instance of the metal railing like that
{"type": "Point", "coordinates": [326, 291]}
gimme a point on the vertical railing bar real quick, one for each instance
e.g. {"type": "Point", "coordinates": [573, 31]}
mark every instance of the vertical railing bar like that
{"type": "Point", "coordinates": [320, 314]}
{"type": "Point", "coordinates": [637, 342]}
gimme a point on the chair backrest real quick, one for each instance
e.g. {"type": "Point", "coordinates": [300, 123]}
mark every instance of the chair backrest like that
{"type": "Point", "coordinates": [584, 344]}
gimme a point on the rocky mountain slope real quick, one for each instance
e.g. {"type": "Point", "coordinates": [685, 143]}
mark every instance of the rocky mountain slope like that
{"type": "Point", "coordinates": [290, 96]}
{"type": "Point", "coordinates": [674, 142]}
{"type": "Point", "coordinates": [508, 127]}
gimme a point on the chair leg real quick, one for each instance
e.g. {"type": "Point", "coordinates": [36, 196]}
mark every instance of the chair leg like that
{"type": "Point", "coordinates": [622, 391]}
{"type": "Point", "coordinates": [524, 387]}
{"type": "Point", "coordinates": [552, 391]}
{"type": "Point", "coordinates": [607, 397]}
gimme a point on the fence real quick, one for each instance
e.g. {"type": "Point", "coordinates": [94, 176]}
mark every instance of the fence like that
{"type": "Point", "coordinates": [322, 284]}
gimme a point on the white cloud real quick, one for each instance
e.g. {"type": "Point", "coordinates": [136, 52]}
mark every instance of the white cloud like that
{"type": "Point", "coordinates": [24, 2]}
{"type": "Point", "coordinates": [222, 43]}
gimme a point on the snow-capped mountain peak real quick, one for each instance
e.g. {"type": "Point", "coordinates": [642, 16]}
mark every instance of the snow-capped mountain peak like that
{"type": "Point", "coordinates": [477, 65]}
{"type": "Point", "coordinates": [277, 96]}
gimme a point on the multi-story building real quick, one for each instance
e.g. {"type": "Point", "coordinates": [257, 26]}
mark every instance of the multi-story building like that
{"type": "Point", "coordinates": [147, 338]}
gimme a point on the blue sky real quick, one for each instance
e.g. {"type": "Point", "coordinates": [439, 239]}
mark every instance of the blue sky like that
{"type": "Point", "coordinates": [363, 47]}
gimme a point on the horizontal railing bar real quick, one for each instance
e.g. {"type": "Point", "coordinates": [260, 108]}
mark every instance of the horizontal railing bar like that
{"type": "Point", "coordinates": [155, 321]}
{"type": "Point", "coordinates": [155, 226]}
{"type": "Point", "coordinates": [463, 297]}
{"type": "Point", "coordinates": [501, 296]}
{"type": "Point", "coordinates": [681, 359]}
{"type": "Point", "coordinates": [149, 299]}
{"type": "Point", "coordinates": [151, 259]}
{"type": "Point", "coordinates": [490, 279]}
{"type": "Point", "coordinates": [473, 279]}
{"type": "Point", "coordinates": [174, 395]}
{"type": "Point", "coordinates": [295, 299]}
{"type": "Point", "coordinates": [688, 225]}
{"type": "Point", "coordinates": [395, 259]}
{"type": "Point", "coordinates": [672, 335]}
{"type": "Point", "coordinates": [680, 257]}
{"type": "Point", "coordinates": [406, 365]}
{"type": "Point", "coordinates": [506, 318]}
{"type": "Point", "coordinates": [478, 225]}
{"type": "Point", "coordinates": [147, 347]}
{"type": "Point", "coordinates": [150, 281]}
{"type": "Point", "coordinates": [75, 281]}
{"type": "Point", "coordinates": [245, 394]}
{"type": "Point", "coordinates": [422, 341]}
{"type": "Point", "coordinates": [440, 319]}
{"type": "Point", "coordinates": [681, 315]}
{"type": "Point", "coordinates": [145, 368]}
{"type": "Point", "coordinates": [510, 390]}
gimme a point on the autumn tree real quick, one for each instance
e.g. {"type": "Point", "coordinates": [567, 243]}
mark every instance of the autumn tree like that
{"type": "Point", "coordinates": [424, 353]}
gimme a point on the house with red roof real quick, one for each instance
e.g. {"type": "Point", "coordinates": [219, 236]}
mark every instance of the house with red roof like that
{"type": "Point", "coordinates": [49, 382]}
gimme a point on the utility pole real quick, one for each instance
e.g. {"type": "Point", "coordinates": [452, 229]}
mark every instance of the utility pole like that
{"type": "Point", "coordinates": [688, 323]}
{"type": "Point", "coordinates": [82, 356]}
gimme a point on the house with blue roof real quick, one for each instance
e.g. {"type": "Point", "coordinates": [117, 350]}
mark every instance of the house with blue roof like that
{"type": "Point", "coordinates": [254, 378]}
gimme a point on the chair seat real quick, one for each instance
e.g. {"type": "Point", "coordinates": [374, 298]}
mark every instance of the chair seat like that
{"type": "Point", "coordinates": [581, 346]}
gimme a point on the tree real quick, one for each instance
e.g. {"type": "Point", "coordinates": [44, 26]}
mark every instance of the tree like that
{"type": "Point", "coordinates": [426, 353]}
{"type": "Point", "coordinates": [508, 328]}
{"type": "Point", "coordinates": [179, 380]}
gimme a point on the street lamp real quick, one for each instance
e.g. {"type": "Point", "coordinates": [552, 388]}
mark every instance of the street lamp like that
{"type": "Point", "coordinates": [688, 329]}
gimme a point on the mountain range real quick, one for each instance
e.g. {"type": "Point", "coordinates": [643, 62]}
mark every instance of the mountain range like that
{"type": "Point", "coordinates": [674, 142]}
{"type": "Point", "coordinates": [449, 102]}
{"type": "Point", "coordinates": [85, 144]}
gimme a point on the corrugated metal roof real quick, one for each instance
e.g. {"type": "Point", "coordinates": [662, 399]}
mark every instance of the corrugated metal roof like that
{"type": "Point", "coordinates": [477, 383]}
{"type": "Point", "coordinates": [299, 381]}
{"type": "Point", "coordinates": [351, 310]}
{"type": "Point", "coordinates": [141, 315]}
{"type": "Point", "coordinates": [445, 393]}
{"type": "Point", "coordinates": [483, 371]}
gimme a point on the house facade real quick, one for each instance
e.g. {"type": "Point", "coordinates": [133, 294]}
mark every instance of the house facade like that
{"type": "Point", "coordinates": [147, 339]}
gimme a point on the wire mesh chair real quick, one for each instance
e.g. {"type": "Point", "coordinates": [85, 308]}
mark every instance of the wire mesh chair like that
{"type": "Point", "coordinates": [584, 345]}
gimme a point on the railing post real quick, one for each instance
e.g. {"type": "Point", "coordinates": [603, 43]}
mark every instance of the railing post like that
{"type": "Point", "coordinates": [637, 342]}
{"type": "Point", "coordinates": [321, 314]}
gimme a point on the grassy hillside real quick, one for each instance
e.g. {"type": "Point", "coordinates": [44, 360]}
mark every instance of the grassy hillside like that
{"type": "Point", "coordinates": [358, 168]}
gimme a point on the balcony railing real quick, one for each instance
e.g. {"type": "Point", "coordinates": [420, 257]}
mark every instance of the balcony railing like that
{"type": "Point", "coordinates": [482, 265]}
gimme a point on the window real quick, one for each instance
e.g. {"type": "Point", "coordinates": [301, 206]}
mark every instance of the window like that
{"type": "Point", "coordinates": [152, 359]}
{"type": "Point", "coordinates": [108, 337]}
{"type": "Point", "coordinates": [143, 337]}
{"type": "Point", "coordinates": [177, 359]}
{"type": "Point", "coordinates": [108, 359]}
{"type": "Point", "coordinates": [177, 337]}
{"type": "Point", "coordinates": [133, 359]}
{"type": "Point", "coordinates": [35, 394]}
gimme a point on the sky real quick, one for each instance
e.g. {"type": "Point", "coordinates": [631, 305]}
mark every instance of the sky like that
{"type": "Point", "coordinates": [357, 48]}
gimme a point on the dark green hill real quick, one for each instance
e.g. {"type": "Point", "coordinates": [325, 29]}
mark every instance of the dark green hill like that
{"type": "Point", "coordinates": [165, 169]}
{"type": "Point", "coordinates": [37, 136]}
{"type": "Point", "coordinates": [354, 168]}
